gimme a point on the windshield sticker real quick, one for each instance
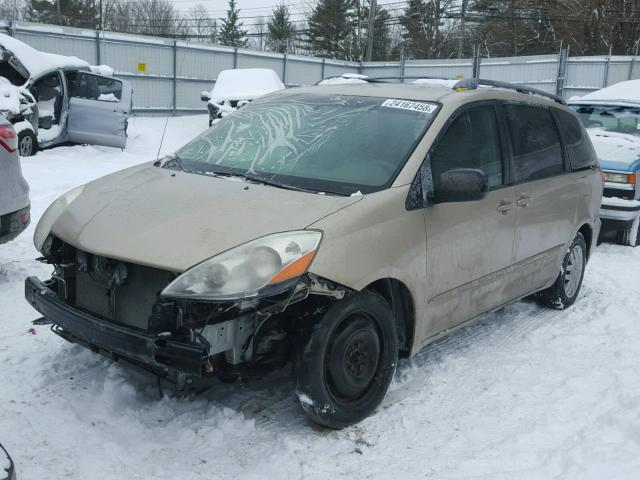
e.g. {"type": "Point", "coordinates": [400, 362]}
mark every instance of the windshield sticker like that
{"type": "Point", "coordinates": [407, 105]}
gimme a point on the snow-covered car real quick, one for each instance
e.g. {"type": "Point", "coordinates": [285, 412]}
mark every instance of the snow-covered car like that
{"type": "Point", "coordinates": [235, 88]}
{"type": "Point", "coordinates": [7, 468]}
{"type": "Point", "coordinates": [334, 227]}
{"type": "Point", "coordinates": [612, 120]}
{"type": "Point", "coordinates": [14, 190]}
{"type": "Point", "coordinates": [53, 99]}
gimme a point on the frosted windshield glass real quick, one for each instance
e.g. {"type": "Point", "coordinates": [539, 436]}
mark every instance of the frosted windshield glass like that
{"type": "Point", "coordinates": [305, 138]}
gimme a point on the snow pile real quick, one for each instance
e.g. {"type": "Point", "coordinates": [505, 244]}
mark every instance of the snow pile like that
{"type": "Point", "coordinates": [344, 79]}
{"type": "Point", "coordinates": [245, 84]}
{"type": "Point", "coordinates": [524, 393]}
{"type": "Point", "coordinates": [628, 91]}
{"type": "Point", "coordinates": [9, 97]}
{"type": "Point", "coordinates": [35, 61]}
{"type": "Point", "coordinates": [436, 81]}
{"type": "Point", "coordinates": [105, 70]}
{"type": "Point", "coordinates": [108, 97]}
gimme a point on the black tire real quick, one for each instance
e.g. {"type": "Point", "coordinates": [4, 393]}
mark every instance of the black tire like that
{"type": "Point", "coordinates": [626, 237]}
{"type": "Point", "coordinates": [565, 290]}
{"type": "Point", "coordinates": [344, 367]}
{"type": "Point", "coordinates": [27, 143]}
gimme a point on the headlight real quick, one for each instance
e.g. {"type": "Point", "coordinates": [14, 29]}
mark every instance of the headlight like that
{"type": "Point", "coordinates": [244, 270]}
{"type": "Point", "coordinates": [620, 177]}
{"type": "Point", "coordinates": [51, 214]}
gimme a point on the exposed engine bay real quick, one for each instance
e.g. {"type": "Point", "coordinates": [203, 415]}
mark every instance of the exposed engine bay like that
{"type": "Point", "coordinates": [186, 342]}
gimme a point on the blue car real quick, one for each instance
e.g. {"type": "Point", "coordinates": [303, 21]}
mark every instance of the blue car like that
{"type": "Point", "coordinates": [612, 119]}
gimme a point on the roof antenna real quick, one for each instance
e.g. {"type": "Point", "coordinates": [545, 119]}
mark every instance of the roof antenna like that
{"type": "Point", "coordinates": [162, 139]}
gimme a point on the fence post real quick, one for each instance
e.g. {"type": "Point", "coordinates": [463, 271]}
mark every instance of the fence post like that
{"type": "Point", "coordinates": [605, 77]}
{"type": "Point", "coordinates": [98, 59]}
{"type": "Point", "coordinates": [235, 58]}
{"type": "Point", "coordinates": [401, 64]}
{"type": "Point", "coordinates": [633, 63]}
{"type": "Point", "coordinates": [284, 67]}
{"type": "Point", "coordinates": [563, 58]}
{"type": "Point", "coordinates": [12, 28]}
{"type": "Point", "coordinates": [324, 61]}
{"type": "Point", "coordinates": [476, 62]}
{"type": "Point", "coordinates": [175, 76]}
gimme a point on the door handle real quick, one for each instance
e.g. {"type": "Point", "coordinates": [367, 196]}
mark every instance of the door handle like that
{"type": "Point", "coordinates": [505, 206]}
{"type": "Point", "coordinates": [523, 201]}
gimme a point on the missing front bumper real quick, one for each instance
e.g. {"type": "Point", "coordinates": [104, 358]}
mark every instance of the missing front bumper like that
{"type": "Point", "coordinates": [177, 358]}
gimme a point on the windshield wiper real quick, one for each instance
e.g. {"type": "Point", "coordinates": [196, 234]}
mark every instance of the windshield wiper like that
{"type": "Point", "coordinates": [173, 159]}
{"type": "Point", "coordinates": [260, 180]}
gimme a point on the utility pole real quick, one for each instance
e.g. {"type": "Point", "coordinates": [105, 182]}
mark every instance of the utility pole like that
{"type": "Point", "coordinates": [370, 32]}
{"type": "Point", "coordinates": [463, 12]}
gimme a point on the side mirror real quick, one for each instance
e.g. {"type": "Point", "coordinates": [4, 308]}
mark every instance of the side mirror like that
{"type": "Point", "coordinates": [460, 185]}
{"type": "Point", "coordinates": [205, 96]}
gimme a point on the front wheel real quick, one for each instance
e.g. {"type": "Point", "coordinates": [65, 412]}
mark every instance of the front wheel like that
{"type": "Point", "coordinates": [564, 292]}
{"type": "Point", "coordinates": [27, 143]}
{"type": "Point", "coordinates": [343, 369]}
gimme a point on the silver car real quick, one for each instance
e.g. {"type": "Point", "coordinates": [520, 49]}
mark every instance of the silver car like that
{"type": "Point", "coordinates": [14, 190]}
{"type": "Point", "coordinates": [59, 99]}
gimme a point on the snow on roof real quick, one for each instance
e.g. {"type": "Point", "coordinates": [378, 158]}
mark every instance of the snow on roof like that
{"type": "Point", "coordinates": [345, 78]}
{"type": "Point", "coordinates": [436, 81]}
{"type": "Point", "coordinates": [245, 84]}
{"type": "Point", "coordinates": [35, 61]}
{"type": "Point", "coordinates": [628, 91]}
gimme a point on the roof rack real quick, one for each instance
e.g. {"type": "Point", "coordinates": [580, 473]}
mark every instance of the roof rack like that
{"type": "Point", "coordinates": [466, 84]}
{"type": "Point", "coordinates": [474, 83]}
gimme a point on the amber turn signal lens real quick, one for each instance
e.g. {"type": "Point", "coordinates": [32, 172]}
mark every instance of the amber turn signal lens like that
{"type": "Point", "coordinates": [294, 269]}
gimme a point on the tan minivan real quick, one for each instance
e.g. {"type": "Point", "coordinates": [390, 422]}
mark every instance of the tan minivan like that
{"type": "Point", "coordinates": [337, 227]}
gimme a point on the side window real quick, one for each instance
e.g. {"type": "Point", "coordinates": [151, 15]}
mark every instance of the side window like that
{"type": "Point", "coordinates": [579, 148]}
{"type": "Point", "coordinates": [71, 76]}
{"type": "Point", "coordinates": [536, 146]}
{"type": "Point", "coordinates": [97, 87]}
{"type": "Point", "coordinates": [471, 141]}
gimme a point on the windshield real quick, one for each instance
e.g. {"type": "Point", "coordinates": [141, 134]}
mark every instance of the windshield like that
{"type": "Point", "coordinates": [610, 118]}
{"type": "Point", "coordinates": [326, 143]}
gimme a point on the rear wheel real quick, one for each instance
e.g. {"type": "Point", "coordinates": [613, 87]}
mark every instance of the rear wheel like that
{"type": "Point", "coordinates": [344, 368]}
{"type": "Point", "coordinates": [27, 143]}
{"type": "Point", "coordinates": [564, 292]}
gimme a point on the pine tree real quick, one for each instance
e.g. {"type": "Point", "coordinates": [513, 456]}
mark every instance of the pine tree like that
{"type": "Point", "coordinates": [381, 34]}
{"type": "Point", "coordinates": [231, 32]}
{"type": "Point", "coordinates": [71, 13]}
{"type": "Point", "coordinates": [330, 29]}
{"type": "Point", "coordinates": [421, 24]}
{"type": "Point", "coordinates": [281, 30]}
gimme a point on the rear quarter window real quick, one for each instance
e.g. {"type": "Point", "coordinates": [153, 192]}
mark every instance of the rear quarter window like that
{"type": "Point", "coordinates": [576, 140]}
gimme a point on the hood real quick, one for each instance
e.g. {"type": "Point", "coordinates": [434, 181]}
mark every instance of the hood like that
{"type": "Point", "coordinates": [173, 220]}
{"type": "Point", "coordinates": [616, 151]}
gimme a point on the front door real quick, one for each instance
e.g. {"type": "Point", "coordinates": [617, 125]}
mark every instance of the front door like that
{"type": "Point", "coordinates": [470, 245]}
{"type": "Point", "coordinates": [546, 195]}
{"type": "Point", "coordinates": [98, 110]}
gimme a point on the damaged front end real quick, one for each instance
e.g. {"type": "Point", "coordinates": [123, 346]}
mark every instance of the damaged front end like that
{"type": "Point", "coordinates": [188, 335]}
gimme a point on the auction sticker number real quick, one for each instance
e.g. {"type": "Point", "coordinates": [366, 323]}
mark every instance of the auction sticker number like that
{"type": "Point", "coordinates": [407, 105]}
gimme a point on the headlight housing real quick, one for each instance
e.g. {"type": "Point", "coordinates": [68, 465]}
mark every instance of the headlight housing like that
{"type": "Point", "coordinates": [52, 213]}
{"type": "Point", "coordinates": [243, 271]}
{"type": "Point", "coordinates": [621, 177]}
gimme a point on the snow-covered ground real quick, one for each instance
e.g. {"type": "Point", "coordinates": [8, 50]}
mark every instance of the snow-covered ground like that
{"type": "Point", "coordinates": [525, 393]}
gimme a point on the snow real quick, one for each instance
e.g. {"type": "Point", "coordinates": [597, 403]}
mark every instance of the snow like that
{"type": "Point", "coordinates": [9, 97]}
{"type": "Point", "coordinates": [108, 97]}
{"type": "Point", "coordinates": [245, 84]}
{"type": "Point", "coordinates": [619, 202]}
{"type": "Point", "coordinates": [344, 79]}
{"type": "Point", "coordinates": [621, 148]}
{"type": "Point", "coordinates": [436, 81]}
{"type": "Point", "coordinates": [35, 61]}
{"type": "Point", "coordinates": [624, 91]}
{"type": "Point", "coordinates": [105, 70]}
{"type": "Point", "coordinates": [524, 393]}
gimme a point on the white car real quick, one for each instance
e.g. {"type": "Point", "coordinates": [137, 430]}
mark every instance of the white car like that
{"type": "Point", "coordinates": [235, 88]}
{"type": "Point", "coordinates": [53, 99]}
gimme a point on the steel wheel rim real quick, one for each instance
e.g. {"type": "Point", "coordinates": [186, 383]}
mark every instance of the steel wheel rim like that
{"type": "Point", "coordinates": [573, 271]}
{"type": "Point", "coordinates": [26, 146]}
